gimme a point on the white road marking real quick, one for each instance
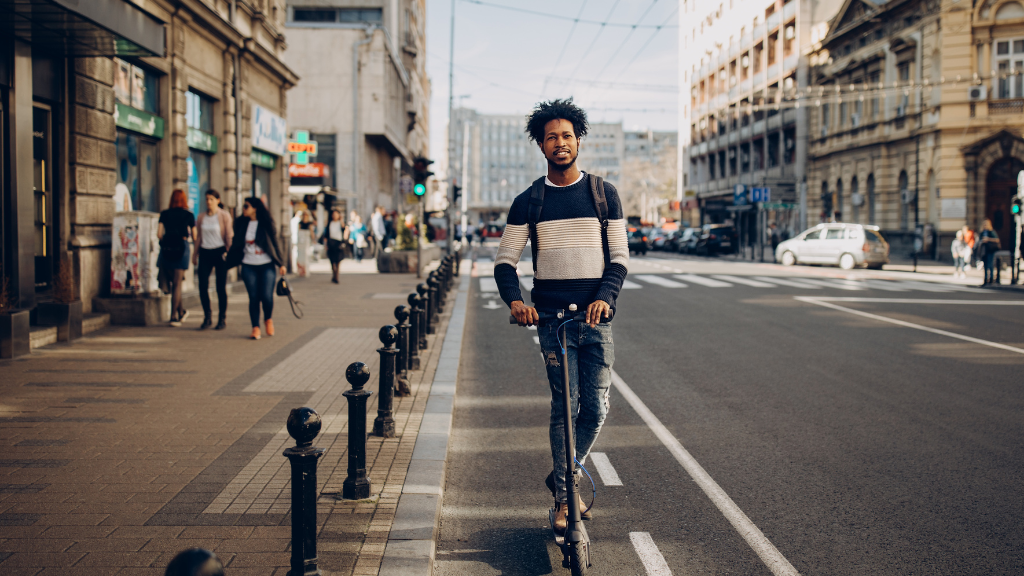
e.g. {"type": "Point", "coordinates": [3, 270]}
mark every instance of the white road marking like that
{"type": "Point", "coordinates": [915, 301]}
{"type": "Point", "coordinates": [793, 282]}
{"type": "Point", "coordinates": [768, 553]}
{"type": "Point", "coordinates": [935, 287]}
{"type": "Point", "coordinates": [488, 285]}
{"type": "Point", "coordinates": [604, 468]}
{"type": "Point", "coordinates": [885, 285]}
{"type": "Point", "coordinates": [711, 283]}
{"type": "Point", "coordinates": [831, 284]}
{"type": "Point", "coordinates": [536, 340]}
{"type": "Point", "coordinates": [649, 554]}
{"type": "Point", "coordinates": [742, 280]}
{"type": "Point", "coordinates": [627, 285]}
{"type": "Point", "coordinates": [821, 302]}
{"type": "Point", "coordinates": [659, 281]}
{"type": "Point", "coordinates": [492, 305]}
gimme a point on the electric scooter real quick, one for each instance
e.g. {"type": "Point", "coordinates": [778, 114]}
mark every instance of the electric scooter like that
{"type": "Point", "coordinates": [575, 543]}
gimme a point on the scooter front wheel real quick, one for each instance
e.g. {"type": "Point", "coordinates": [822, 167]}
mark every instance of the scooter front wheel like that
{"type": "Point", "coordinates": [579, 558]}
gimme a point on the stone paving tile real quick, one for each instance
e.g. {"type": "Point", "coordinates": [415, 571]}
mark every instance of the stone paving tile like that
{"type": "Point", "coordinates": [113, 443]}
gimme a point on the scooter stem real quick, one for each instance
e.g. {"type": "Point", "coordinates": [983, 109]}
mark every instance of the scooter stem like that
{"type": "Point", "coordinates": [573, 516]}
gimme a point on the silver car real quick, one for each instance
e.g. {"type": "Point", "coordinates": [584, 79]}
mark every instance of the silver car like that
{"type": "Point", "coordinates": [845, 245]}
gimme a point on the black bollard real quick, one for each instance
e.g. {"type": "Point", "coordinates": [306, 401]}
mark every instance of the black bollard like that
{"type": "Point", "coordinates": [384, 424]}
{"type": "Point", "coordinates": [414, 331]}
{"type": "Point", "coordinates": [402, 360]}
{"type": "Point", "coordinates": [356, 485]}
{"type": "Point", "coordinates": [435, 291]}
{"type": "Point", "coordinates": [195, 562]}
{"type": "Point", "coordinates": [303, 425]}
{"type": "Point", "coordinates": [426, 326]}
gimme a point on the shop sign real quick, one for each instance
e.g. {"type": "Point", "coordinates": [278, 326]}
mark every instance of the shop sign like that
{"type": "Point", "coordinates": [193, 186]}
{"type": "Point", "coordinates": [269, 131]}
{"type": "Point", "coordinates": [311, 170]}
{"type": "Point", "coordinates": [302, 147]}
{"type": "Point", "coordinates": [262, 159]}
{"type": "Point", "coordinates": [201, 140]}
{"type": "Point", "coordinates": [142, 122]}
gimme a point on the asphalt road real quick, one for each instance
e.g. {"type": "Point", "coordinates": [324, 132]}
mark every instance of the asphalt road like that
{"type": "Point", "coordinates": [855, 445]}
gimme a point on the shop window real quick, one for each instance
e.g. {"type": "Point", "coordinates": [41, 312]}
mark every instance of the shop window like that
{"type": "Point", "coordinates": [135, 86]}
{"type": "Point", "coordinates": [202, 146]}
{"type": "Point", "coordinates": [198, 111]}
{"type": "Point", "coordinates": [136, 187]}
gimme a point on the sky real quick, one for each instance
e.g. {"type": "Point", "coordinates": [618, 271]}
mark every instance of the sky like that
{"type": "Point", "coordinates": [507, 59]}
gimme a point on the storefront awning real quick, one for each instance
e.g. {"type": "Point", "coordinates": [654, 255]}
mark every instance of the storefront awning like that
{"type": "Point", "coordinates": [85, 27]}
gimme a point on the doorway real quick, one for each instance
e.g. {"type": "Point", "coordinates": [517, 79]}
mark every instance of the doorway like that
{"type": "Point", "coordinates": [42, 184]}
{"type": "Point", "coordinates": [1000, 187]}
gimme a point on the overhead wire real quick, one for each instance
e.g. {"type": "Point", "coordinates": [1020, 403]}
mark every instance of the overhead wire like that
{"type": "Point", "coordinates": [557, 16]}
{"type": "Point", "coordinates": [561, 52]}
{"type": "Point", "coordinates": [626, 39]}
{"type": "Point", "coordinates": [646, 44]}
{"type": "Point", "coordinates": [592, 42]}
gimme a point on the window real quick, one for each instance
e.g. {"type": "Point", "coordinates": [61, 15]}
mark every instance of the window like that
{"type": "Point", "coordinates": [1010, 69]}
{"type": "Point", "coordinates": [198, 112]}
{"type": "Point", "coordinates": [315, 15]}
{"type": "Point", "coordinates": [135, 86]}
{"type": "Point", "coordinates": [834, 234]}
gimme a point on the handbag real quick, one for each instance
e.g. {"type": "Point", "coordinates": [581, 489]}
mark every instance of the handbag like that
{"type": "Point", "coordinates": [283, 289]}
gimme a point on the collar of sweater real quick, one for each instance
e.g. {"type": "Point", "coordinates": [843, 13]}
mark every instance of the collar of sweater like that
{"type": "Point", "coordinates": [548, 182]}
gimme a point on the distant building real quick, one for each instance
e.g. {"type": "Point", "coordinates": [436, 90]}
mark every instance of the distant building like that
{"type": "Point", "coordinates": [377, 53]}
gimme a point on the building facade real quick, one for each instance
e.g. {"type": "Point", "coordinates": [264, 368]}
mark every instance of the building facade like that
{"type": "Point", "coordinates": [365, 94]}
{"type": "Point", "coordinates": [917, 118]}
{"type": "Point", "coordinates": [742, 63]}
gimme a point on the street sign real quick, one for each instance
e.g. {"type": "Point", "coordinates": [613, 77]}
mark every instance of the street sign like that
{"type": "Point", "coordinates": [760, 194]}
{"type": "Point", "coordinates": [739, 195]}
{"type": "Point", "coordinates": [405, 184]}
{"type": "Point", "coordinates": [302, 147]}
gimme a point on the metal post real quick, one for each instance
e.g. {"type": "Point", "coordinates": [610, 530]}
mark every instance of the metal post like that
{"type": "Point", "coordinates": [414, 331]}
{"type": "Point", "coordinates": [425, 327]}
{"type": "Point", "coordinates": [384, 424]}
{"type": "Point", "coordinates": [356, 485]}
{"type": "Point", "coordinates": [435, 289]}
{"type": "Point", "coordinates": [420, 237]}
{"type": "Point", "coordinates": [402, 365]}
{"type": "Point", "coordinates": [303, 425]}
{"type": "Point", "coordinates": [195, 562]}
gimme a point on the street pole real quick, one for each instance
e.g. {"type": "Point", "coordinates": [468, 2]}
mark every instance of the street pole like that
{"type": "Point", "coordinates": [451, 139]}
{"type": "Point", "coordinates": [420, 234]}
{"type": "Point", "coordinates": [465, 178]}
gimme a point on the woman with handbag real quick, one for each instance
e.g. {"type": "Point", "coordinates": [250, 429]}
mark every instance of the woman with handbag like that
{"type": "Point", "coordinates": [334, 239]}
{"type": "Point", "coordinates": [255, 247]}
{"type": "Point", "coordinates": [357, 237]}
{"type": "Point", "coordinates": [174, 229]}
{"type": "Point", "coordinates": [989, 241]}
{"type": "Point", "coordinates": [212, 237]}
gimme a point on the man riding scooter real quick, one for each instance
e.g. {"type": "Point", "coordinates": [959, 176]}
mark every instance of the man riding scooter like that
{"type": "Point", "coordinates": [577, 231]}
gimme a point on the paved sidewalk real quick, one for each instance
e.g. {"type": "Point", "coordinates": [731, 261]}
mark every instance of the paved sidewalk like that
{"type": "Point", "coordinates": [129, 445]}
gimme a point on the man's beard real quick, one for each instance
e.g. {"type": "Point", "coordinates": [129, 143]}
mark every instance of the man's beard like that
{"type": "Point", "coordinates": [562, 168]}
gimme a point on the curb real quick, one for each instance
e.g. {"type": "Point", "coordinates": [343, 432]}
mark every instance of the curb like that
{"type": "Point", "coordinates": [413, 538]}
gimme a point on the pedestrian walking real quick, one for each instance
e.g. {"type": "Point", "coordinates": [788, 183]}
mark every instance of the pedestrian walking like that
{"type": "Point", "coordinates": [212, 238]}
{"type": "Point", "coordinates": [773, 238]}
{"type": "Point", "coordinates": [580, 257]}
{"type": "Point", "coordinates": [970, 239]}
{"type": "Point", "coordinates": [357, 237]}
{"type": "Point", "coordinates": [378, 229]}
{"type": "Point", "coordinates": [958, 249]}
{"type": "Point", "coordinates": [333, 239]}
{"type": "Point", "coordinates": [256, 248]}
{"type": "Point", "coordinates": [989, 241]}
{"type": "Point", "coordinates": [174, 229]}
{"type": "Point", "coordinates": [306, 235]}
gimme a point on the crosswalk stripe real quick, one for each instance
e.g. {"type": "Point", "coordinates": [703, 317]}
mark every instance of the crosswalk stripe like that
{"type": "Point", "coordinates": [627, 285]}
{"type": "Point", "coordinates": [742, 280]}
{"type": "Point", "coordinates": [659, 281]}
{"type": "Point", "coordinates": [794, 283]}
{"type": "Point", "coordinates": [709, 282]}
{"type": "Point", "coordinates": [932, 287]}
{"type": "Point", "coordinates": [831, 284]}
{"type": "Point", "coordinates": [885, 285]}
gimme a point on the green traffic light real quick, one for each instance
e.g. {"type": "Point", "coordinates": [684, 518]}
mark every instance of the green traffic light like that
{"type": "Point", "coordinates": [419, 189]}
{"type": "Point", "coordinates": [1016, 208]}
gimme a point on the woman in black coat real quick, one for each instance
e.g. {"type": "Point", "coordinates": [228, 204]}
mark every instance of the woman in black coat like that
{"type": "Point", "coordinates": [255, 247]}
{"type": "Point", "coordinates": [334, 239]}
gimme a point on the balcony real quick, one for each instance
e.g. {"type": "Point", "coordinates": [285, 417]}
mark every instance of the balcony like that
{"type": "Point", "coordinates": [789, 10]}
{"type": "Point", "coordinates": [773, 72]}
{"type": "Point", "coordinates": [772, 22]}
{"type": "Point", "coordinates": [789, 63]}
{"type": "Point", "coordinates": [758, 33]}
{"type": "Point", "coordinates": [1003, 107]}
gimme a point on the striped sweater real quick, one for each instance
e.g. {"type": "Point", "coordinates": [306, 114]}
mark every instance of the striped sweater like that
{"type": "Point", "coordinates": [570, 257]}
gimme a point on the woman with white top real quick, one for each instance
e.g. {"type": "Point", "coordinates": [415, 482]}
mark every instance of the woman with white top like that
{"type": "Point", "coordinates": [213, 235]}
{"type": "Point", "coordinates": [334, 239]}
{"type": "Point", "coordinates": [255, 247]}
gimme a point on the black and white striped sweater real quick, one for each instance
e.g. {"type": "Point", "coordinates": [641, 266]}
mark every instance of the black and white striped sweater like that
{"type": "Point", "coordinates": [570, 257]}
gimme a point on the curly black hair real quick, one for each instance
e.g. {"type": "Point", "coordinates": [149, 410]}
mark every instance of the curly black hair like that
{"type": "Point", "coordinates": [545, 112]}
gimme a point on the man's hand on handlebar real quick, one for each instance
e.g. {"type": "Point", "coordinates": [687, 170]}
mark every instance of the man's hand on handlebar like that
{"type": "Point", "coordinates": [524, 315]}
{"type": "Point", "coordinates": [597, 310]}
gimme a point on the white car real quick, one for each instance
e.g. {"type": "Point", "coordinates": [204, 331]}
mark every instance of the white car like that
{"type": "Point", "coordinates": [844, 245]}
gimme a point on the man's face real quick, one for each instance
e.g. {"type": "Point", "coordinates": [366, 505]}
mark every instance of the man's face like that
{"type": "Point", "coordinates": [560, 145]}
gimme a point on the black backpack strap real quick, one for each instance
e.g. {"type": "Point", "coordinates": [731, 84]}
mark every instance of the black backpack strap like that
{"type": "Point", "coordinates": [601, 204]}
{"type": "Point", "coordinates": [533, 215]}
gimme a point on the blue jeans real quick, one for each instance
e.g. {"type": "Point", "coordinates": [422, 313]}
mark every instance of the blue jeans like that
{"type": "Point", "coordinates": [590, 354]}
{"type": "Point", "coordinates": [259, 283]}
{"type": "Point", "coordinates": [990, 266]}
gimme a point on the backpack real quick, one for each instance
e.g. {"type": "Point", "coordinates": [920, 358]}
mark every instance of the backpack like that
{"type": "Point", "coordinates": [537, 204]}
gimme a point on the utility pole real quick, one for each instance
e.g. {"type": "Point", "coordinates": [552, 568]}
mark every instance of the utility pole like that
{"type": "Point", "coordinates": [451, 138]}
{"type": "Point", "coordinates": [464, 180]}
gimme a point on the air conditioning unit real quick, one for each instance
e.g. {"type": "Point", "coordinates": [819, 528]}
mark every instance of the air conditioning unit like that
{"type": "Point", "coordinates": [901, 111]}
{"type": "Point", "coordinates": [977, 93]}
{"type": "Point", "coordinates": [855, 120]}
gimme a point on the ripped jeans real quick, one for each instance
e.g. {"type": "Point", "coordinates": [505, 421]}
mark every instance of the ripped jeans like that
{"type": "Point", "coordinates": [590, 353]}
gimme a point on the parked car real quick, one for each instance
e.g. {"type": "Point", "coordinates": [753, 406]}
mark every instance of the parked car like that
{"type": "Point", "coordinates": [716, 239]}
{"type": "Point", "coordinates": [686, 240]}
{"type": "Point", "coordinates": [637, 240]}
{"type": "Point", "coordinates": [494, 229]}
{"type": "Point", "coordinates": [659, 239]}
{"type": "Point", "coordinates": [844, 245]}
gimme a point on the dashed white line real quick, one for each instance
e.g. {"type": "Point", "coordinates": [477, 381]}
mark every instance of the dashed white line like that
{"type": "Point", "coordinates": [659, 281]}
{"type": "Point", "coordinates": [709, 282]}
{"type": "Point", "coordinates": [649, 554]}
{"type": "Point", "coordinates": [627, 285]}
{"type": "Point", "coordinates": [756, 539]}
{"type": "Point", "coordinates": [604, 469]}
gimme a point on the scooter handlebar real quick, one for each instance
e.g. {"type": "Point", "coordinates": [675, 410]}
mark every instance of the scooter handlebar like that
{"type": "Point", "coordinates": [580, 316]}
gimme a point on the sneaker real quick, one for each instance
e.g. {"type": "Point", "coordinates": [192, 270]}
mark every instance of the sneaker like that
{"type": "Point", "coordinates": [175, 323]}
{"type": "Point", "coordinates": [182, 316]}
{"type": "Point", "coordinates": [255, 333]}
{"type": "Point", "coordinates": [221, 324]}
{"type": "Point", "coordinates": [270, 327]}
{"type": "Point", "coordinates": [206, 324]}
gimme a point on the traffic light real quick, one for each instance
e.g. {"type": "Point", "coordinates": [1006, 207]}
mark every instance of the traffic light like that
{"type": "Point", "coordinates": [419, 189]}
{"type": "Point", "coordinates": [420, 175]}
{"type": "Point", "coordinates": [1016, 205]}
{"type": "Point", "coordinates": [456, 190]}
